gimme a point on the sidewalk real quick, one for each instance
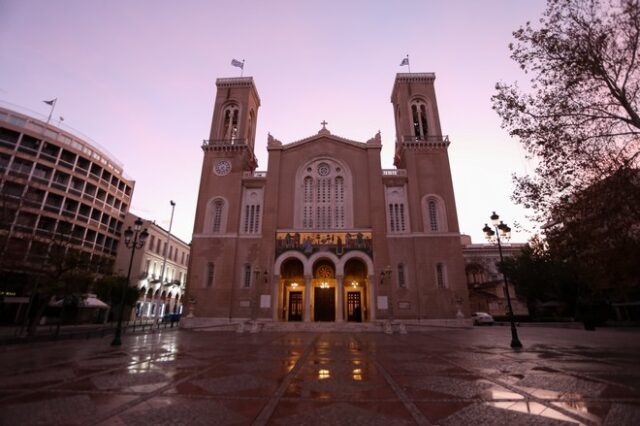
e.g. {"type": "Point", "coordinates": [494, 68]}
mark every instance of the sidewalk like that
{"type": "Point", "coordinates": [17, 334]}
{"type": "Point", "coordinates": [438, 377]}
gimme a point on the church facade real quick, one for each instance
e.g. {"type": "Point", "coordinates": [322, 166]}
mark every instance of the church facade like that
{"type": "Point", "coordinates": [326, 234]}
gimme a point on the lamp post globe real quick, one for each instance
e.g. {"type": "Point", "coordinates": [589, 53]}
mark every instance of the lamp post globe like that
{"type": "Point", "coordinates": [503, 230]}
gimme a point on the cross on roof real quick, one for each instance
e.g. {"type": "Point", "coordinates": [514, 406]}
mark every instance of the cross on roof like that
{"type": "Point", "coordinates": [324, 124]}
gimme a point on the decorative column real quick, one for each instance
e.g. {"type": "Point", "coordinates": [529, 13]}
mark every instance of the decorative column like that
{"type": "Point", "coordinates": [372, 297]}
{"type": "Point", "coordinates": [340, 290]}
{"type": "Point", "coordinates": [275, 297]}
{"type": "Point", "coordinates": [307, 298]}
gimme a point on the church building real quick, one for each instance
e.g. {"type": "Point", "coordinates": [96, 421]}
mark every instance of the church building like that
{"type": "Point", "coordinates": [327, 234]}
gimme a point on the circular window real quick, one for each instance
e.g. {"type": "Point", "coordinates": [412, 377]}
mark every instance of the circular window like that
{"type": "Point", "coordinates": [222, 168]}
{"type": "Point", "coordinates": [325, 271]}
{"type": "Point", "coordinates": [323, 169]}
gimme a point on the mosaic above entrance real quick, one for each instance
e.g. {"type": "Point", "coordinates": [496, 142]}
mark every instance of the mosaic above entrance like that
{"type": "Point", "coordinates": [337, 243]}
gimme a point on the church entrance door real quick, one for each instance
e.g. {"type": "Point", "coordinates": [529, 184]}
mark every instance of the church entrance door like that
{"type": "Point", "coordinates": [295, 306]}
{"type": "Point", "coordinates": [354, 308]}
{"type": "Point", "coordinates": [324, 308]}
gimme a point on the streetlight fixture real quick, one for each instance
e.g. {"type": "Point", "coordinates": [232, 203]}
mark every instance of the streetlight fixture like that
{"type": "Point", "coordinates": [133, 239]}
{"type": "Point", "coordinates": [503, 230]}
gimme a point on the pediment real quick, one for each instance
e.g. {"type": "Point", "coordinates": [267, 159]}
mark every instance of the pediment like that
{"type": "Point", "coordinates": [325, 134]}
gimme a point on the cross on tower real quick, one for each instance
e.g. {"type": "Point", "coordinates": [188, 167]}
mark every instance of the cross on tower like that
{"type": "Point", "coordinates": [324, 124]}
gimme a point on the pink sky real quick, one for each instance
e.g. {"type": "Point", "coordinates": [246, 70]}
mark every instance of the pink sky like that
{"type": "Point", "coordinates": [138, 77]}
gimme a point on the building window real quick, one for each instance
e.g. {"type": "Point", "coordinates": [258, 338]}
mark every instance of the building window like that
{"type": "Point", "coordinates": [434, 214]}
{"type": "Point", "coordinates": [151, 241]}
{"type": "Point", "coordinates": [402, 283]}
{"type": "Point", "coordinates": [396, 217]}
{"type": "Point", "coordinates": [158, 242]}
{"type": "Point", "coordinates": [246, 280]}
{"type": "Point", "coordinates": [441, 279]}
{"type": "Point", "coordinates": [322, 196]}
{"type": "Point", "coordinates": [218, 207]}
{"type": "Point", "coordinates": [210, 273]}
{"type": "Point", "coordinates": [419, 119]}
{"type": "Point", "coordinates": [230, 123]}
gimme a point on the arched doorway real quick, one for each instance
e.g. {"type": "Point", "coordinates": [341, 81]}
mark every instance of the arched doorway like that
{"type": "Point", "coordinates": [355, 290]}
{"type": "Point", "coordinates": [324, 290]}
{"type": "Point", "coordinates": [292, 278]}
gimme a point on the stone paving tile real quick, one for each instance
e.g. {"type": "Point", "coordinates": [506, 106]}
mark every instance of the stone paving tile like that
{"type": "Point", "coordinates": [37, 379]}
{"type": "Point", "coordinates": [438, 387]}
{"type": "Point", "coordinates": [61, 410]}
{"type": "Point", "coordinates": [561, 383]}
{"type": "Point", "coordinates": [440, 376]}
{"type": "Point", "coordinates": [487, 415]}
{"type": "Point", "coordinates": [127, 381]}
{"type": "Point", "coordinates": [188, 412]}
{"type": "Point", "coordinates": [340, 414]}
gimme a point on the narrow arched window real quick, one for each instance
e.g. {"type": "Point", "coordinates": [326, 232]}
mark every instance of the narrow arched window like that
{"type": "Point", "coordinates": [230, 123]}
{"type": "Point", "coordinates": [441, 279]}
{"type": "Point", "coordinates": [419, 119]}
{"type": "Point", "coordinates": [339, 203]}
{"type": "Point", "coordinates": [218, 207]}
{"type": "Point", "coordinates": [402, 283]}
{"type": "Point", "coordinates": [433, 215]}
{"type": "Point", "coordinates": [246, 282]}
{"type": "Point", "coordinates": [210, 273]}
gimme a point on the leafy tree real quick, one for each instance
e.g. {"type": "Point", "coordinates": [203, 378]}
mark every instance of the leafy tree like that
{"type": "Point", "coordinates": [539, 277]}
{"type": "Point", "coordinates": [579, 120]}
{"type": "Point", "coordinates": [109, 290]}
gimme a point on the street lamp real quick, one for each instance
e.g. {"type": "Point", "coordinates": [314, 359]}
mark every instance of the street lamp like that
{"type": "Point", "coordinates": [133, 239]}
{"type": "Point", "coordinates": [502, 230]}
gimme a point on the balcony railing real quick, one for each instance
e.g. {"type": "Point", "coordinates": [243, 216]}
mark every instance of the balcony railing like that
{"type": "Point", "coordinates": [255, 174]}
{"type": "Point", "coordinates": [438, 140]}
{"type": "Point", "coordinates": [223, 142]}
{"type": "Point", "coordinates": [309, 242]}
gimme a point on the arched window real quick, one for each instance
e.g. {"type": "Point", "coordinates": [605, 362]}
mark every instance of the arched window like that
{"type": "Point", "coordinates": [216, 217]}
{"type": "Point", "coordinates": [434, 214]}
{"type": "Point", "coordinates": [441, 276]}
{"type": "Point", "coordinates": [322, 196]}
{"type": "Point", "coordinates": [251, 125]}
{"type": "Point", "coordinates": [246, 276]}
{"type": "Point", "coordinates": [210, 274]}
{"type": "Point", "coordinates": [251, 213]}
{"type": "Point", "coordinates": [230, 122]}
{"type": "Point", "coordinates": [218, 208]}
{"type": "Point", "coordinates": [402, 282]}
{"type": "Point", "coordinates": [419, 119]}
{"type": "Point", "coordinates": [397, 220]}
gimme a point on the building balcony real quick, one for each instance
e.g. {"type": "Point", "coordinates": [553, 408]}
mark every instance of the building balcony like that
{"type": "Point", "coordinates": [338, 243]}
{"type": "Point", "coordinates": [435, 141]}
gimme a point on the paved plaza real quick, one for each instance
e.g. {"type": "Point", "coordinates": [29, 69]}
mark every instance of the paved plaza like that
{"type": "Point", "coordinates": [430, 377]}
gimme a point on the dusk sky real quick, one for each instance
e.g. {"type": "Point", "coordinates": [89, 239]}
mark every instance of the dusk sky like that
{"type": "Point", "coordinates": [139, 77]}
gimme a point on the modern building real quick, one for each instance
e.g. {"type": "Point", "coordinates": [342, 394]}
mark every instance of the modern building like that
{"type": "Point", "coordinates": [159, 269]}
{"type": "Point", "coordinates": [326, 234]}
{"type": "Point", "coordinates": [55, 186]}
{"type": "Point", "coordinates": [486, 283]}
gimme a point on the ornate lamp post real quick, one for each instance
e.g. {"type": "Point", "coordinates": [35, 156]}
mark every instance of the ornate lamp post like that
{"type": "Point", "coordinates": [502, 230]}
{"type": "Point", "coordinates": [133, 239]}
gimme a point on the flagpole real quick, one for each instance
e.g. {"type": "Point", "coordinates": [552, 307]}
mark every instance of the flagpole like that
{"type": "Point", "coordinates": [53, 106]}
{"type": "Point", "coordinates": [242, 68]}
{"type": "Point", "coordinates": [408, 63]}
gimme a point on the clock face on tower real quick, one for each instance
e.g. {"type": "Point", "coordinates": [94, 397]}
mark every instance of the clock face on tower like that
{"type": "Point", "coordinates": [222, 168]}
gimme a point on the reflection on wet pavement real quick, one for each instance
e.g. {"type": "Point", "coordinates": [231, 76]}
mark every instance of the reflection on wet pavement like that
{"type": "Point", "coordinates": [443, 377]}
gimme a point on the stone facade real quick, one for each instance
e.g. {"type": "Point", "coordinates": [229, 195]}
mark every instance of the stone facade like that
{"type": "Point", "coordinates": [326, 234]}
{"type": "Point", "coordinates": [161, 283]}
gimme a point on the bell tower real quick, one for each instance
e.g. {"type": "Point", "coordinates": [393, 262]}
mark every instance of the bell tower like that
{"type": "Point", "coordinates": [415, 111]}
{"type": "Point", "coordinates": [235, 112]}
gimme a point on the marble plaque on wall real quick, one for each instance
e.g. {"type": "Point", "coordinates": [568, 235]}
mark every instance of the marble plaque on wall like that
{"type": "Point", "coordinates": [382, 302]}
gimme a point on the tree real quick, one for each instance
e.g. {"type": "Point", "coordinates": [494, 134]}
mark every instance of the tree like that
{"type": "Point", "coordinates": [580, 119]}
{"type": "Point", "coordinates": [109, 290]}
{"type": "Point", "coordinates": [540, 277]}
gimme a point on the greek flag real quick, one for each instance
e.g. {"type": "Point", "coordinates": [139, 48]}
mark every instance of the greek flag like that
{"type": "Point", "coordinates": [51, 102]}
{"type": "Point", "coordinates": [404, 62]}
{"type": "Point", "coordinates": [237, 63]}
